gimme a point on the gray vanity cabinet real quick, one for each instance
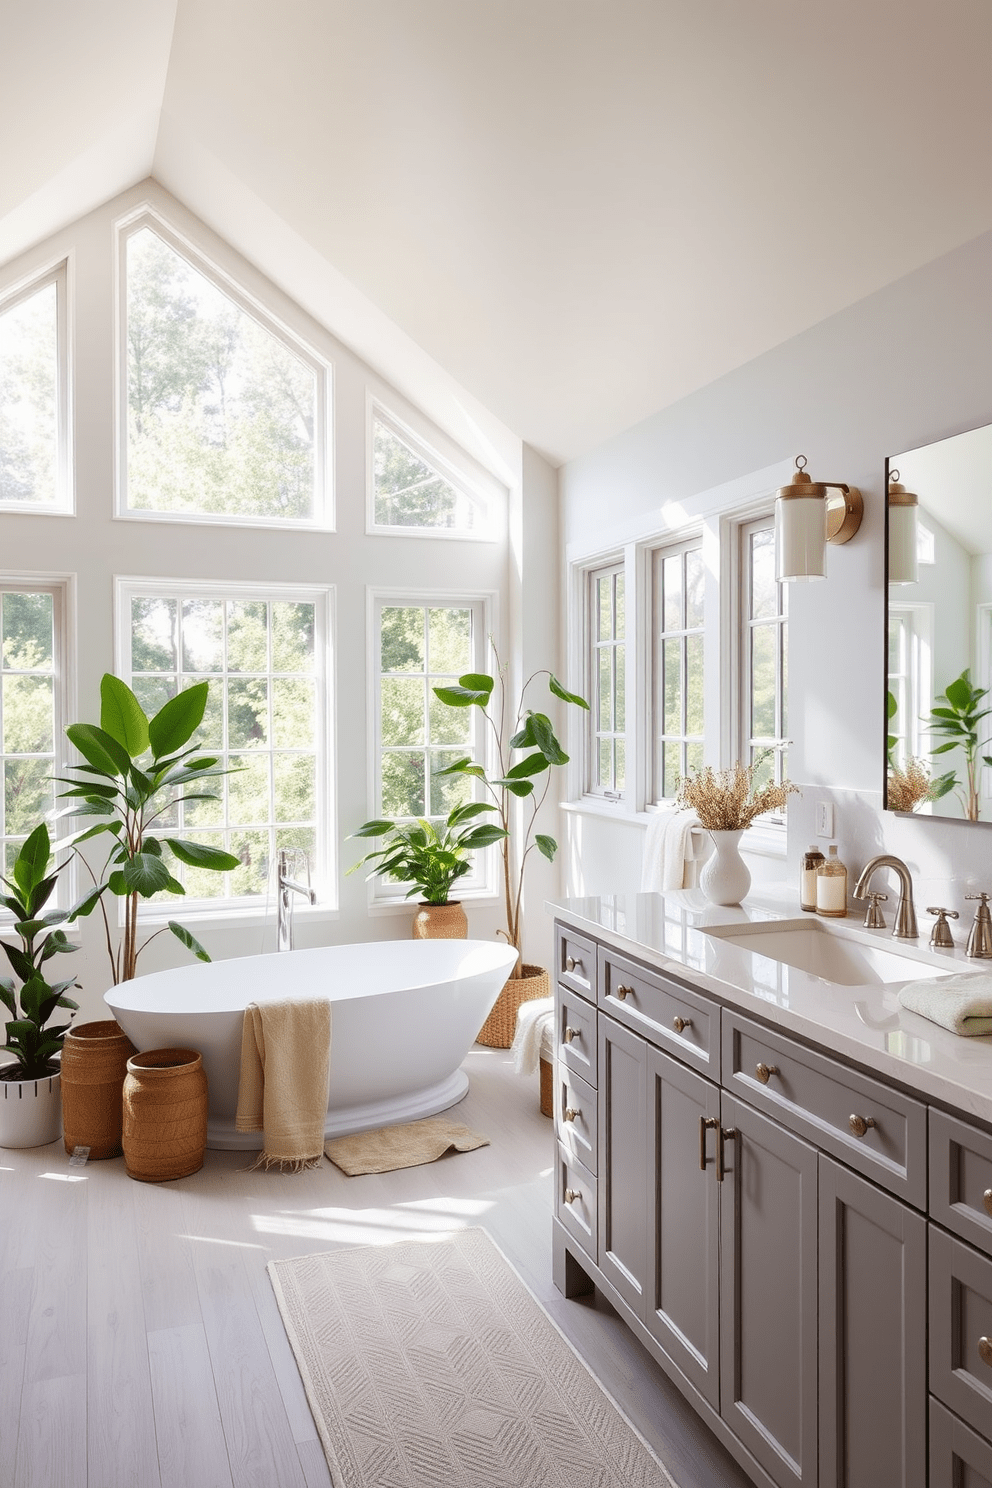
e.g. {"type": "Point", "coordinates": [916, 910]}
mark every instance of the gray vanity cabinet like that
{"type": "Point", "coordinates": [623, 1164]}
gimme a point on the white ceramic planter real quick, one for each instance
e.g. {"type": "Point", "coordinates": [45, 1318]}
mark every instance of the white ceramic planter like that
{"type": "Point", "coordinates": [31, 1111]}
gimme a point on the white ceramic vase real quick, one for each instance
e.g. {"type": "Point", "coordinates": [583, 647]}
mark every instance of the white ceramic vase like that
{"type": "Point", "coordinates": [725, 877]}
{"type": "Point", "coordinates": [30, 1112]}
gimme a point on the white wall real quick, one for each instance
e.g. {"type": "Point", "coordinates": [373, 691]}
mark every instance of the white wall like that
{"type": "Point", "coordinates": [95, 547]}
{"type": "Point", "coordinates": [911, 364]}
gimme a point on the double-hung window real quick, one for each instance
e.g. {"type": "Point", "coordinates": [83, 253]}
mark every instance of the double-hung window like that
{"type": "Point", "coordinates": [32, 706]}
{"type": "Point", "coordinates": [34, 396]}
{"type": "Point", "coordinates": [678, 646]}
{"type": "Point", "coordinates": [764, 655]}
{"type": "Point", "coordinates": [421, 642]}
{"type": "Point", "coordinates": [266, 654]}
{"type": "Point", "coordinates": [607, 684]}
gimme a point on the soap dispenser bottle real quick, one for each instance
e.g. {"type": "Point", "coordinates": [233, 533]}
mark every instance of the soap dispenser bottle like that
{"type": "Point", "coordinates": [808, 864]}
{"type": "Point", "coordinates": [831, 886]}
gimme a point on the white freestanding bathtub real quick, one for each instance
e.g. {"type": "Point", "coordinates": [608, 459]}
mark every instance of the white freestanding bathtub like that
{"type": "Point", "coordinates": [404, 1015]}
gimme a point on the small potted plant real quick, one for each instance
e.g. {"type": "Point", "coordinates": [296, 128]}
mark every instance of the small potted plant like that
{"type": "Point", "coordinates": [30, 1097]}
{"type": "Point", "coordinates": [431, 860]}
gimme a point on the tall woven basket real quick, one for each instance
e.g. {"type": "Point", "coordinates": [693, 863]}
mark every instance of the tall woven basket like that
{"type": "Point", "coordinates": [165, 1115]}
{"type": "Point", "coordinates": [498, 1030]}
{"type": "Point", "coordinates": [94, 1064]}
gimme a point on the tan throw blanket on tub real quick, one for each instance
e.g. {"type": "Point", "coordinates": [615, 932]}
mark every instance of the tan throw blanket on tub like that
{"type": "Point", "coordinates": [285, 1057]}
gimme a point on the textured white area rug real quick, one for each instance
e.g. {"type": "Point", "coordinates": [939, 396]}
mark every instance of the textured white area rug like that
{"type": "Point", "coordinates": [430, 1365]}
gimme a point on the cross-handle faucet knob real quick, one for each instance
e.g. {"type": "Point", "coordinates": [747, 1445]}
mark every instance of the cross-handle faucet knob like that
{"type": "Point", "coordinates": [940, 934]}
{"type": "Point", "coordinates": [874, 918]}
{"type": "Point", "coordinates": [980, 935]}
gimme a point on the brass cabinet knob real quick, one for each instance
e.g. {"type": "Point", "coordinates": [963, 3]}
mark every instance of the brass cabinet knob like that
{"type": "Point", "coordinates": [571, 963]}
{"type": "Point", "coordinates": [571, 1112]}
{"type": "Point", "coordinates": [572, 1033]}
{"type": "Point", "coordinates": [623, 992]}
{"type": "Point", "coordinates": [681, 1024]}
{"type": "Point", "coordinates": [985, 1350]}
{"type": "Point", "coordinates": [764, 1072]}
{"type": "Point", "coordinates": [571, 1194]}
{"type": "Point", "coordinates": [987, 1200]}
{"type": "Point", "coordinates": [860, 1124]}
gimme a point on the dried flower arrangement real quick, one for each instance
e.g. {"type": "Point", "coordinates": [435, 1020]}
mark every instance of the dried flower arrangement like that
{"type": "Point", "coordinates": [727, 800]}
{"type": "Point", "coordinates": [911, 786]}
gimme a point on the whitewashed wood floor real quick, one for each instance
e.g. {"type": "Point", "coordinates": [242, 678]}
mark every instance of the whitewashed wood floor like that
{"type": "Point", "coordinates": [140, 1344]}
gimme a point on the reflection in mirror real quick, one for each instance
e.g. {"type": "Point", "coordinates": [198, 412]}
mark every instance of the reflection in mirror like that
{"type": "Point", "coordinates": [939, 698]}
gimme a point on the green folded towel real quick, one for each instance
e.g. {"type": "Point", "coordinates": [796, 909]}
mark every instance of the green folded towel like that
{"type": "Point", "coordinates": [962, 1003]}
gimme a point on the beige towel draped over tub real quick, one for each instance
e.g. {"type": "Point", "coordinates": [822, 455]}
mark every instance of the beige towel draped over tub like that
{"type": "Point", "coordinates": [285, 1061]}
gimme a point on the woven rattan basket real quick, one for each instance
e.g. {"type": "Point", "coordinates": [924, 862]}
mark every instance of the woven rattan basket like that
{"type": "Point", "coordinates": [498, 1030]}
{"type": "Point", "coordinates": [165, 1115]}
{"type": "Point", "coordinates": [94, 1064]}
{"type": "Point", "coordinates": [547, 1087]}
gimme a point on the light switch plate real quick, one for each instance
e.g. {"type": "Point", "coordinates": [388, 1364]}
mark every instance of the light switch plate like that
{"type": "Point", "coordinates": [824, 818]}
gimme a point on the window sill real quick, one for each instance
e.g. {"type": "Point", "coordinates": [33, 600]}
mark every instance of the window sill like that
{"type": "Point", "coordinates": [237, 917]}
{"type": "Point", "coordinates": [618, 811]}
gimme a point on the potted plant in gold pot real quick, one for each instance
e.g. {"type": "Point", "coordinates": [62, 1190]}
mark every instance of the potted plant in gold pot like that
{"type": "Point", "coordinates": [431, 860]}
{"type": "Point", "coordinates": [524, 765]}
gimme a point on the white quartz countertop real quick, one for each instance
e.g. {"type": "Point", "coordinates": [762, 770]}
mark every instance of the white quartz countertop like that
{"type": "Point", "coordinates": [864, 1023]}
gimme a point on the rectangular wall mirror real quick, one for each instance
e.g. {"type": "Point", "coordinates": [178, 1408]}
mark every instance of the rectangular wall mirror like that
{"type": "Point", "coordinates": [939, 691]}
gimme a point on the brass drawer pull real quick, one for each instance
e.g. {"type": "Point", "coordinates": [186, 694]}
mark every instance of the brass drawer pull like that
{"type": "Point", "coordinates": [764, 1072]}
{"type": "Point", "coordinates": [572, 1033]}
{"type": "Point", "coordinates": [573, 963]}
{"type": "Point", "coordinates": [724, 1134]}
{"type": "Point", "coordinates": [987, 1200]}
{"type": "Point", "coordinates": [985, 1350]}
{"type": "Point", "coordinates": [681, 1024]}
{"type": "Point", "coordinates": [705, 1123]}
{"type": "Point", "coordinates": [623, 992]}
{"type": "Point", "coordinates": [860, 1124]}
{"type": "Point", "coordinates": [571, 1112]}
{"type": "Point", "coordinates": [571, 1194]}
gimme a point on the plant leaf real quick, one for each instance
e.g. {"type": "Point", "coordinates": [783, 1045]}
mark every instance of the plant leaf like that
{"type": "Point", "coordinates": [546, 845]}
{"type": "Point", "coordinates": [463, 697]}
{"type": "Point", "coordinates": [177, 720]}
{"type": "Point", "coordinates": [374, 829]}
{"type": "Point", "coordinates": [144, 874]}
{"type": "Point", "coordinates": [189, 941]}
{"type": "Point", "coordinates": [566, 696]}
{"type": "Point", "coordinates": [532, 764]}
{"type": "Point", "coordinates": [483, 835]}
{"type": "Point", "coordinates": [199, 856]}
{"type": "Point", "coordinates": [122, 716]}
{"type": "Point", "coordinates": [32, 859]}
{"type": "Point", "coordinates": [544, 738]}
{"type": "Point", "coordinates": [103, 752]}
{"type": "Point", "coordinates": [515, 787]}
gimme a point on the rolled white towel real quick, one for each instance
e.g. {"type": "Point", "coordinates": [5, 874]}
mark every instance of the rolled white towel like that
{"type": "Point", "coordinates": [535, 1024]}
{"type": "Point", "coordinates": [962, 1003]}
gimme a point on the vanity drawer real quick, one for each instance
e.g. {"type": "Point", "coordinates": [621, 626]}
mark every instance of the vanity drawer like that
{"type": "Point", "coordinates": [664, 1012]}
{"type": "Point", "coordinates": [575, 962]}
{"type": "Point", "coordinates": [958, 1458]}
{"type": "Point", "coordinates": [961, 1179]}
{"type": "Point", "coordinates": [961, 1329]}
{"type": "Point", "coordinates": [823, 1101]}
{"type": "Point", "coordinates": [576, 1036]}
{"type": "Point", "coordinates": [575, 1200]}
{"type": "Point", "coordinates": [575, 1117]}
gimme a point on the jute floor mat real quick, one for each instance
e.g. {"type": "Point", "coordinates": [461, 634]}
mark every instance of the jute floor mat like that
{"type": "Point", "coordinates": [430, 1365]}
{"type": "Point", "coordinates": [405, 1146]}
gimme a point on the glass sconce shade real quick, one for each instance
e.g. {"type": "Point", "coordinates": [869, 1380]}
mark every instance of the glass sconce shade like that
{"type": "Point", "coordinates": [903, 533]}
{"type": "Point", "coordinates": [800, 538]}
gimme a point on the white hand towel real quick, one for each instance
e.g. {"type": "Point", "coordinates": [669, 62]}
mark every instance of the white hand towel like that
{"type": "Point", "coordinates": [667, 847]}
{"type": "Point", "coordinates": [535, 1022]}
{"type": "Point", "coordinates": [962, 1003]}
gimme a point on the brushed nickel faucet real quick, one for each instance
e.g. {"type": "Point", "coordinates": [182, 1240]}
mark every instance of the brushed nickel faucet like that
{"type": "Point", "coordinates": [980, 935]}
{"type": "Point", "coordinates": [905, 922]}
{"type": "Point", "coordinates": [286, 887]}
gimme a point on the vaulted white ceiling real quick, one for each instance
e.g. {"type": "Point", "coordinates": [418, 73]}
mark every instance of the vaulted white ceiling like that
{"type": "Point", "coordinates": [581, 209]}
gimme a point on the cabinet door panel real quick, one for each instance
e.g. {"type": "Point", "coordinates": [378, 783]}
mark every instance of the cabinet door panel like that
{"type": "Point", "coordinates": [768, 1239]}
{"type": "Point", "coordinates": [872, 1327]}
{"type": "Point", "coordinates": [958, 1458]}
{"type": "Point", "coordinates": [623, 1166]}
{"type": "Point", "coordinates": [682, 1308]}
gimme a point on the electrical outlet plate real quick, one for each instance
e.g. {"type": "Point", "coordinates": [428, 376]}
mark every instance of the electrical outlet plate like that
{"type": "Point", "coordinates": [824, 819]}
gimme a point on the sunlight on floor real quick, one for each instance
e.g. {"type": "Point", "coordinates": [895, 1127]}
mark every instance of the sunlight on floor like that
{"type": "Point", "coordinates": [358, 1227]}
{"type": "Point", "coordinates": [213, 1240]}
{"type": "Point", "coordinates": [66, 1177]}
{"type": "Point", "coordinates": [450, 1205]}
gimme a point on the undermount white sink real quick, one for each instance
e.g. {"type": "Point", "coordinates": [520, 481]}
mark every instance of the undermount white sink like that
{"type": "Point", "coordinates": [832, 952]}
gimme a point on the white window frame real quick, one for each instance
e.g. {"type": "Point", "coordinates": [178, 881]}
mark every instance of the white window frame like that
{"type": "Point", "coordinates": [484, 492]}
{"type": "Point", "coordinates": [324, 865]}
{"type": "Point", "coordinates": [62, 588]}
{"type": "Point", "coordinates": [595, 647]}
{"type": "Point", "coordinates": [774, 822]}
{"type": "Point", "coordinates": [323, 517]}
{"type": "Point", "coordinates": [918, 623]}
{"type": "Point", "coordinates": [59, 274]}
{"type": "Point", "coordinates": [483, 882]}
{"type": "Point", "coordinates": [686, 543]}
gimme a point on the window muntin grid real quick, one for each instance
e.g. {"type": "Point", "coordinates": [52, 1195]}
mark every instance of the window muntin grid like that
{"type": "Point", "coordinates": [607, 683]}
{"type": "Point", "coordinates": [678, 664]}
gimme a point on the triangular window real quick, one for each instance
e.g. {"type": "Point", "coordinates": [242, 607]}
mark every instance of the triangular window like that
{"type": "Point", "coordinates": [410, 491]}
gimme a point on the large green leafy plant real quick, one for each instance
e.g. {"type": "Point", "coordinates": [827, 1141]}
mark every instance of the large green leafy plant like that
{"type": "Point", "coordinates": [429, 859]}
{"type": "Point", "coordinates": [28, 996]}
{"type": "Point", "coordinates": [956, 723]}
{"type": "Point", "coordinates": [136, 769]}
{"type": "Point", "coordinates": [526, 779]}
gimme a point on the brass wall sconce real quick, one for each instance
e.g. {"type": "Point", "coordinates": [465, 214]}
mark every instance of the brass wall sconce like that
{"type": "Point", "coordinates": [808, 515]}
{"type": "Point", "coordinates": [903, 533]}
